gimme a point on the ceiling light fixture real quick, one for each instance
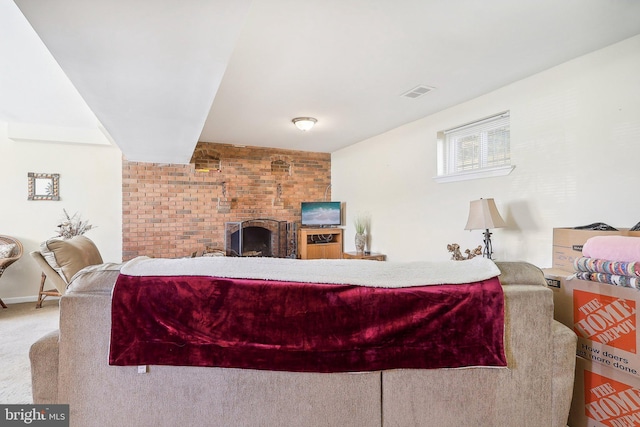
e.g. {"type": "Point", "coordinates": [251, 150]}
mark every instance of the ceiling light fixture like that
{"type": "Point", "coordinates": [304, 123]}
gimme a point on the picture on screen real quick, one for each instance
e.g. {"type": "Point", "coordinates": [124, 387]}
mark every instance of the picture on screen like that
{"type": "Point", "coordinates": [321, 213]}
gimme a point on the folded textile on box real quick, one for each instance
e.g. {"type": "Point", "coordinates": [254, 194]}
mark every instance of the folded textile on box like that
{"type": "Point", "coordinates": [615, 248]}
{"type": "Point", "coordinates": [611, 279]}
{"type": "Point", "coordinates": [598, 226]}
{"type": "Point", "coordinates": [596, 265]}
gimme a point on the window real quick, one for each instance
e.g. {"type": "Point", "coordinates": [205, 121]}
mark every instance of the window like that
{"type": "Point", "coordinates": [475, 150]}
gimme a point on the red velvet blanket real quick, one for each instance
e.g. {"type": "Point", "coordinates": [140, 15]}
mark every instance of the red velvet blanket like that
{"type": "Point", "coordinates": [303, 327]}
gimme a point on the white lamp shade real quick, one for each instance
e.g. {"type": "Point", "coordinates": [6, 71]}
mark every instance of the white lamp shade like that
{"type": "Point", "coordinates": [304, 123]}
{"type": "Point", "coordinates": [483, 215]}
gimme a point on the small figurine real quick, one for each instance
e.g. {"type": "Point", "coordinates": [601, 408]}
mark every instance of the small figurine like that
{"type": "Point", "coordinates": [454, 248]}
{"type": "Point", "coordinates": [456, 255]}
{"type": "Point", "coordinates": [477, 251]}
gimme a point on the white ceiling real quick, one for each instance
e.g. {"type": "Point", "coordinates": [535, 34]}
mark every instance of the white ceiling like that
{"type": "Point", "coordinates": [159, 75]}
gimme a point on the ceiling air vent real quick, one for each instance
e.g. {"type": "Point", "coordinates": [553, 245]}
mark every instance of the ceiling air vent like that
{"type": "Point", "coordinates": [417, 92]}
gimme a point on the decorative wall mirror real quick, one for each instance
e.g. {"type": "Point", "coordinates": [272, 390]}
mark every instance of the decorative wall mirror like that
{"type": "Point", "coordinates": [44, 186]}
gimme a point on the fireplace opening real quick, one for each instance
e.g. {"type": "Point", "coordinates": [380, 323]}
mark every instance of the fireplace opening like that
{"type": "Point", "coordinates": [260, 238]}
{"type": "Point", "coordinates": [256, 241]}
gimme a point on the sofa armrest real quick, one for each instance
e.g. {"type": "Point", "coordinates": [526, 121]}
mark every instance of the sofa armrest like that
{"type": "Point", "coordinates": [95, 279]}
{"type": "Point", "coordinates": [44, 369]}
{"type": "Point", "coordinates": [564, 364]}
{"type": "Point", "coordinates": [520, 273]}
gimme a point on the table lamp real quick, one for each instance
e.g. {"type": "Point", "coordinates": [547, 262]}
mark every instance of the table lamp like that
{"type": "Point", "coordinates": [483, 215]}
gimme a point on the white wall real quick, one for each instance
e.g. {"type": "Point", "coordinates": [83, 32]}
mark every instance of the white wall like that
{"type": "Point", "coordinates": [575, 141]}
{"type": "Point", "coordinates": [90, 184]}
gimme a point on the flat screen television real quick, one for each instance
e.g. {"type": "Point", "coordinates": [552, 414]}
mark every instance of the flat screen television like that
{"type": "Point", "coordinates": [321, 214]}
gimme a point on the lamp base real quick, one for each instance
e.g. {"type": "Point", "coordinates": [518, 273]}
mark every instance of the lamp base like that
{"type": "Point", "coordinates": [487, 252]}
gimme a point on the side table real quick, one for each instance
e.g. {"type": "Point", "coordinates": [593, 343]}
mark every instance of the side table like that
{"type": "Point", "coordinates": [372, 256]}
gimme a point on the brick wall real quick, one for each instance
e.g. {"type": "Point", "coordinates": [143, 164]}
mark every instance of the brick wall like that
{"type": "Point", "coordinates": [175, 210]}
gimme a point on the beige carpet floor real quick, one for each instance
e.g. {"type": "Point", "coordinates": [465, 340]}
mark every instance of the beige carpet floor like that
{"type": "Point", "coordinates": [20, 326]}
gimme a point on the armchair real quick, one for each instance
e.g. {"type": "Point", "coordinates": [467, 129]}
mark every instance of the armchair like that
{"type": "Point", "coordinates": [60, 259]}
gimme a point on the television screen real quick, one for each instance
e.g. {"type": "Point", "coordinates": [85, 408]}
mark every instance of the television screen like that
{"type": "Point", "coordinates": [321, 213]}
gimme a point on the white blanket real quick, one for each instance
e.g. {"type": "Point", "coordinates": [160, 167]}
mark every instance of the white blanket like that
{"type": "Point", "coordinates": [384, 274]}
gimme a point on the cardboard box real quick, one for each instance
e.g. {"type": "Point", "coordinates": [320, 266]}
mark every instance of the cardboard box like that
{"type": "Point", "coordinates": [562, 297]}
{"type": "Point", "coordinates": [567, 244]}
{"type": "Point", "coordinates": [603, 316]}
{"type": "Point", "coordinates": [604, 397]}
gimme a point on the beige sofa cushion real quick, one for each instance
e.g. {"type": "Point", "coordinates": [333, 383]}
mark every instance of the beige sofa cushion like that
{"type": "Point", "coordinates": [67, 257]}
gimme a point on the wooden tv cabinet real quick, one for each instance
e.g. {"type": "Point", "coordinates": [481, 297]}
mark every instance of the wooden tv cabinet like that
{"type": "Point", "coordinates": [318, 243]}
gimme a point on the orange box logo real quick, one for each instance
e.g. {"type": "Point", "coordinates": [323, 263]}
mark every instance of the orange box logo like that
{"type": "Point", "coordinates": [605, 319]}
{"type": "Point", "coordinates": [610, 402]}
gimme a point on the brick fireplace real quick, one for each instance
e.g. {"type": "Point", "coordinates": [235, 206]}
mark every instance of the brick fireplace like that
{"type": "Point", "coordinates": [177, 210]}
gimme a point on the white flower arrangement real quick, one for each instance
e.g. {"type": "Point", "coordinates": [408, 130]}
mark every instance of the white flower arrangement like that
{"type": "Point", "coordinates": [72, 226]}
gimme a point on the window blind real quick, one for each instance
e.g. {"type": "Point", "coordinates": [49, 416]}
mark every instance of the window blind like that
{"type": "Point", "coordinates": [478, 145]}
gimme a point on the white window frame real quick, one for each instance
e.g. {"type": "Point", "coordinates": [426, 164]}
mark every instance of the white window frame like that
{"type": "Point", "coordinates": [448, 150]}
